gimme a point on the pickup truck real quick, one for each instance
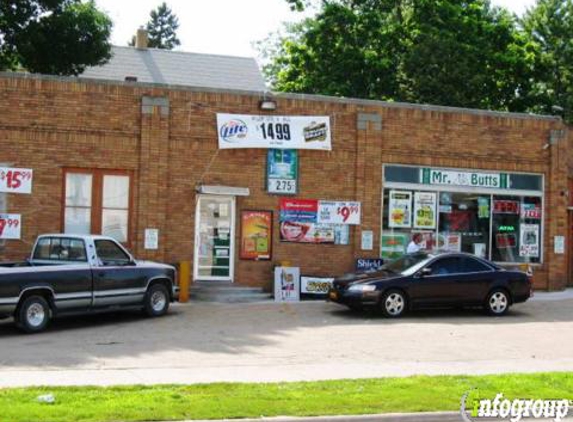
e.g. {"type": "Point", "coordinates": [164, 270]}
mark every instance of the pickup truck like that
{"type": "Point", "coordinates": [74, 274]}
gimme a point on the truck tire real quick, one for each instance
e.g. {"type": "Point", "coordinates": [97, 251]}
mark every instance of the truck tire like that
{"type": "Point", "coordinates": [156, 300]}
{"type": "Point", "coordinates": [33, 314]}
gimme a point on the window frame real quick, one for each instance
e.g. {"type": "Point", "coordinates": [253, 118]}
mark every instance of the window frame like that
{"type": "Point", "coordinates": [96, 211]}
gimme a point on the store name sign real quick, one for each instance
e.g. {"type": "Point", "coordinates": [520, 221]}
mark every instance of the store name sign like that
{"type": "Point", "coordinates": [430, 176]}
{"type": "Point", "coordinates": [281, 132]}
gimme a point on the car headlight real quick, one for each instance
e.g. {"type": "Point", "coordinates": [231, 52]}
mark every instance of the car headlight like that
{"type": "Point", "coordinates": [362, 288]}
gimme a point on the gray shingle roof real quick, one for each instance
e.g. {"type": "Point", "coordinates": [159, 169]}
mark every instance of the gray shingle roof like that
{"type": "Point", "coordinates": [179, 68]}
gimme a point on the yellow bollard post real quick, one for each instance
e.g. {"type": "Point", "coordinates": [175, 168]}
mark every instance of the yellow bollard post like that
{"type": "Point", "coordinates": [184, 279]}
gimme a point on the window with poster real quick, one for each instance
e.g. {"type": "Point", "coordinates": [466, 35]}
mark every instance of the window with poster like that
{"type": "Point", "coordinates": [497, 216]}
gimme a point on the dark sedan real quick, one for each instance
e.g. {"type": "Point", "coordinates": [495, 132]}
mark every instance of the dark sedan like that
{"type": "Point", "coordinates": [423, 280]}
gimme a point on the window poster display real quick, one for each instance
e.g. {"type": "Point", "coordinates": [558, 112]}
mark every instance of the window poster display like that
{"type": "Point", "coordinates": [400, 213]}
{"type": "Point", "coordinates": [529, 240]}
{"type": "Point", "coordinates": [282, 171]}
{"type": "Point", "coordinates": [425, 210]}
{"type": "Point", "coordinates": [256, 235]}
{"type": "Point", "coordinates": [393, 245]}
{"type": "Point", "coordinates": [287, 284]}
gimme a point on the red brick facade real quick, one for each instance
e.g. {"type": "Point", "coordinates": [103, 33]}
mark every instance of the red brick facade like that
{"type": "Point", "coordinates": [167, 139]}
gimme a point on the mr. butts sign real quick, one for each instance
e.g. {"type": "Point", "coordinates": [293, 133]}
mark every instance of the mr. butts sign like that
{"type": "Point", "coordinates": [432, 176]}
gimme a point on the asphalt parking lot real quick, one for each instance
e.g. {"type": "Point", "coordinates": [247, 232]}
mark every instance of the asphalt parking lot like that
{"type": "Point", "coordinates": [204, 342]}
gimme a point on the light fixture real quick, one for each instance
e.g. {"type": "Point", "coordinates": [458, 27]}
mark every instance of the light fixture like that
{"type": "Point", "coordinates": [267, 105]}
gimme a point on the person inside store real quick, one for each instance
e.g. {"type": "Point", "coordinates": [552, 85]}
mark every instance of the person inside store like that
{"type": "Point", "coordinates": [415, 244]}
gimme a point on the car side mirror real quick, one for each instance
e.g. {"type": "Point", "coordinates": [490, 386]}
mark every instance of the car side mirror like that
{"type": "Point", "coordinates": [425, 272]}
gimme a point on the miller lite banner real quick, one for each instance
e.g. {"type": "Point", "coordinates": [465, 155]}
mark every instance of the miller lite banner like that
{"type": "Point", "coordinates": [281, 132]}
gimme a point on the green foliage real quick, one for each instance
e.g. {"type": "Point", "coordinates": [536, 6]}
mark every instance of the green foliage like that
{"type": "Point", "coordinates": [242, 400]}
{"type": "Point", "coordinates": [162, 28]}
{"type": "Point", "coordinates": [462, 53]}
{"type": "Point", "coordinates": [60, 37]}
{"type": "Point", "coordinates": [549, 27]}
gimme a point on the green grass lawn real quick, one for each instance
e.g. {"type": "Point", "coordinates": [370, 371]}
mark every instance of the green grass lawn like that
{"type": "Point", "coordinates": [218, 401]}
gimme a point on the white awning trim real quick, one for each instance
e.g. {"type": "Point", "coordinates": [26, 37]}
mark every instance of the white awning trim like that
{"type": "Point", "coordinates": [223, 190]}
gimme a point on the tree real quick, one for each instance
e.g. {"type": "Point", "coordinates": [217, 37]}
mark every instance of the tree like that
{"type": "Point", "coordinates": [449, 52]}
{"type": "Point", "coordinates": [549, 27]}
{"type": "Point", "coordinates": [162, 28]}
{"type": "Point", "coordinates": [59, 37]}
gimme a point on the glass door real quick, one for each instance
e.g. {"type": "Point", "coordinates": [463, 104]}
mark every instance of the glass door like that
{"type": "Point", "coordinates": [214, 238]}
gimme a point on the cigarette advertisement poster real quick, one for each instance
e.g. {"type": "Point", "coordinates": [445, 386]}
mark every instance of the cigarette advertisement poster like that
{"type": "Point", "coordinates": [282, 171]}
{"type": "Point", "coordinates": [256, 235]}
{"type": "Point", "coordinates": [10, 226]}
{"type": "Point", "coordinates": [529, 240]}
{"type": "Point", "coordinates": [393, 245]}
{"type": "Point", "coordinates": [425, 210]}
{"type": "Point", "coordinates": [315, 285]}
{"type": "Point", "coordinates": [338, 212]}
{"type": "Point", "coordinates": [400, 210]}
{"type": "Point", "coordinates": [299, 224]}
{"type": "Point", "coordinates": [269, 131]}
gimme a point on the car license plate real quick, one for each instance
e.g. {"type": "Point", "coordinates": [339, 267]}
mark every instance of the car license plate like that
{"type": "Point", "coordinates": [332, 295]}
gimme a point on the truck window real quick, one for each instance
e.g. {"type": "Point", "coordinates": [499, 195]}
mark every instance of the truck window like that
{"type": "Point", "coordinates": [110, 253]}
{"type": "Point", "coordinates": [60, 249]}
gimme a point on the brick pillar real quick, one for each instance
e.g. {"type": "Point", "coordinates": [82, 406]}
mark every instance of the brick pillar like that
{"type": "Point", "coordinates": [556, 208]}
{"type": "Point", "coordinates": [153, 175]}
{"type": "Point", "coordinates": [368, 180]}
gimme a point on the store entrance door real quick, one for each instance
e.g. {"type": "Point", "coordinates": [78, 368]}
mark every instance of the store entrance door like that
{"type": "Point", "coordinates": [214, 238]}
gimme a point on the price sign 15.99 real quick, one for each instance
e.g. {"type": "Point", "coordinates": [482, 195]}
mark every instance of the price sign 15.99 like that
{"type": "Point", "coordinates": [10, 226]}
{"type": "Point", "coordinates": [14, 180]}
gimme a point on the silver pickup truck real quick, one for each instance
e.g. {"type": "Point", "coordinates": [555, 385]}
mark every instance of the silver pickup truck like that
{"type": "Point", "coordinates": [69, 274]}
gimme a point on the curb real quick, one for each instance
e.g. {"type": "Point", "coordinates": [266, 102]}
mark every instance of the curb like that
{"type": "Point", "coordinates": [386, 417]}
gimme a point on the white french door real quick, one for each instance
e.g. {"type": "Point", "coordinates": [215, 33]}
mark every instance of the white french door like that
{"type": "Point", "coordinates": [214, 238]}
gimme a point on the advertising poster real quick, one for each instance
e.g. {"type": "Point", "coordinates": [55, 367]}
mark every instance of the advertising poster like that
{"type": "Point", "coordinates": [10, 226]}
{"type": "Point", "coordinates": [256, 235]}
{"type": "Point", "coordinates": [400, 209]}
{"type": "Point", "coordinates": [280, 132]}
{"type": "Point", "coordinates": [393, 245]}
{"type": "Point", "coordinates": [425, 210]}
{"type": "Point", "coordinates": [16, 180]}
{"type": "Point", "coordinates": [483, 207]}
{"type": "Point", "coordinates": [532, 211]}
{"type": "Point", "coordinates": [453, 242]}
{"type": "Point", "coordinates": [282, 171]}
{"type": "Point", "coordinates": [338, 212]}
{"type": "Point", "coordinates": [315, 285]}
{"type": "Point", "coordinates": [529, 240]}
{"type": "Point", "coordinates": [298, 223]}
{"type": "Point", "coordinates": [287, 284]}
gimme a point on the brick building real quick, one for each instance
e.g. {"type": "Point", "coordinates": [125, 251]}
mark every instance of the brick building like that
{"type": "Point", "coordinates": [146, 155]}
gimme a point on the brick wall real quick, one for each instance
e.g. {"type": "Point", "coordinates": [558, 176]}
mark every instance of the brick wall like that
{"type": "Point", "coordinates": [167, 138]}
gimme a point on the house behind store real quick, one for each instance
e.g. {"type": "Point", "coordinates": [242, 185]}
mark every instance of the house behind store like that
{"type": "Point", "coordinates": [131, 150]}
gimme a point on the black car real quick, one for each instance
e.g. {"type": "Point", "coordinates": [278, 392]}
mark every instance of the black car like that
{"type": "Point", "coordinates": [423, 280]}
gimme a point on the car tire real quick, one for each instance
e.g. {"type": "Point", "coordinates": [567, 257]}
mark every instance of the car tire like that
{"type": "Point", "coordinates": [156, 300]}
{"type": "Point", "coordinates": [393, 303]}
{"type": "Point", "coordinates": [497, 302]}
{"type": "Point", "coordinates": [33, 315]}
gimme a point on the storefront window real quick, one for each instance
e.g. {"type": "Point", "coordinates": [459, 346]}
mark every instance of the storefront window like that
{"type": "Point", "coordinates": [516, 229]}
{"type": "Point", "coordinates": [463, 222]}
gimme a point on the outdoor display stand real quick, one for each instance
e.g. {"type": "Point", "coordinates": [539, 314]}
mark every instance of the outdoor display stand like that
{"type": "Point", "coordinates": [287, 284]}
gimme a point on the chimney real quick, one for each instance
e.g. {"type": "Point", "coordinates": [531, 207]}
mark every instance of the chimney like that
{"type": "Point", "coordinates": [141, 39]}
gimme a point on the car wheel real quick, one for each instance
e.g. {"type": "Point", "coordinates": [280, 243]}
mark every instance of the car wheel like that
{"type": "Point", "coordinates": [156, 300]}
{"type": "Point", "coordinates": [497, 302]}
{"type": "Point", "coordinates": [33, 315]}
{"type": "Point", "coordinates": [393, 303]}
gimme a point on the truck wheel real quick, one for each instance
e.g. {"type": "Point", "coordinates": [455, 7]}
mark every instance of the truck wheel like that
{"type": "Point", "coordinates": [33, 315]}
{"type": "Point", "coordinates": [156, 300]}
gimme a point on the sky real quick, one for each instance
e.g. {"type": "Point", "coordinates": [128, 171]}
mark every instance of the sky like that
{"type": "Point", "coordinates": [228, 27]}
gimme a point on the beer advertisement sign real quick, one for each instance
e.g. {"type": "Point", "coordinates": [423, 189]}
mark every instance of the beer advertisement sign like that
{"type": "Point", "coordinates": [280, 132]}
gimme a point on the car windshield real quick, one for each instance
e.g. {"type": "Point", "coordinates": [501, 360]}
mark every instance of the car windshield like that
{"type": "Point", "coordinates": [407, 264]}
